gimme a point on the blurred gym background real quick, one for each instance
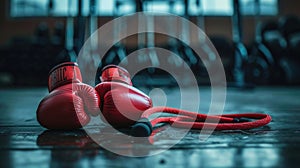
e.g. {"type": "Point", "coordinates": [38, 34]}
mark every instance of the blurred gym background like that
{"type": "Point", "coordinates": [258, 40]}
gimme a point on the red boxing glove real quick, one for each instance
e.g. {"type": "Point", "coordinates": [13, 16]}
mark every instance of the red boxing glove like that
{"type": "Point", "coordinates": [121, 103]}
{"type": "Point", "coordinates": [69, 101]}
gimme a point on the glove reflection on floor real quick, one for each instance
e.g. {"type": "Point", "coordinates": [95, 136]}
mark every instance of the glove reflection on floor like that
{"type": "Point", "coordinates": [77, 144]}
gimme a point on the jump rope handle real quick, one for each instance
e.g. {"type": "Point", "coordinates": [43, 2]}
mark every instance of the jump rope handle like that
{"type": "Point", "coordinates": [142, 128]}
{"type": "Point", "coordinates": [193, 120]}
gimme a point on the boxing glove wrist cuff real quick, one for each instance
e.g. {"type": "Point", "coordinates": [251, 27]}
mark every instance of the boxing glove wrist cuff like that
{"type": "Point", "coordinates": [115, 73]}
{"type": "Point", "coordinates": [62, 74]}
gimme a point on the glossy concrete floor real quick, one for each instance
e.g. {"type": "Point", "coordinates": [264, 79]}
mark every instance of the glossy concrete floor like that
{"type": "Point", "coordinates": [23, 143]}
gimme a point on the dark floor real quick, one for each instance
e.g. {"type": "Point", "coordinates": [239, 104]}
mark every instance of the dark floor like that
{"type": "Point", "coordinates": [24, 143]}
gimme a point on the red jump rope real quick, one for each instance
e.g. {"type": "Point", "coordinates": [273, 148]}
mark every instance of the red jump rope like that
{"type": "Point", "coordinates": [193, 120]}
{"type": "Point", "coordinates": [184, 119]}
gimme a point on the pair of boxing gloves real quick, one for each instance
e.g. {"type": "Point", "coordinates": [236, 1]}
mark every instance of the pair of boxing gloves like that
{"type": "Point", "coordinates": [71, 103]}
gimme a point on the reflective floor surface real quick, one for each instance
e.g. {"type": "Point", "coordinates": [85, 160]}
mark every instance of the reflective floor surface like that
{"type": "Point", "coordinates": [23, 143]}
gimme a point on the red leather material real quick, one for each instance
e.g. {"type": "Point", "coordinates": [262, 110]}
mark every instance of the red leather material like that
{"type": "Point", "coordinates": [69, 102]}
{"type": "Point", "coordinates": [115, 73]}
{"type": "Point", "coordinates": [63, 74]}
{"type": "Point", "coordinates": [67, 108]}
{"type": "Point", "coordinates": [122, 105]}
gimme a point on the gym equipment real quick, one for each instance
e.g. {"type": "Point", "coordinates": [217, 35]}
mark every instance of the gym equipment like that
{"type": "Point", "coordinates": [241, 53]}
{"type": "Point", "coordinates": [146, 49]}
{"type": "Point", "coordinates": [141, 39]}
{"type": "Point", "coordinates": [58, 39]}
{"type": "Point", "coordinates": [151, 42]}
{"type": "Point", "coordinates": [260, 59]}
{"type": "Point", "coordinates": [172, 42]}
{"type": "Point", "coordinates": [42, 35]}
{"type": "Point", "coordinates": [269, 47]}
{"type": "Point", "coordinates": [289, 25]}
{"type": "Point", "coordinates": [221, 44]}
{"type": "Point", "coordinates": [81, 25]}
{"type": "Point", "coordinates": [117, 53]}
{"type": "Point", "coordinates": [200, 17]}
{"type": "Point", "coordinates": [290, 28]}
{"type": "Point", "coordinates": [226, 50]}
{"type": "Point", "coordinates": [263, 66]}
{"type": "Point", "coordinates": [68, 53]}
{"type": "Point", "coordinates": [151, 54]}
{"type": "Point", "coordinates": [185, 50]}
